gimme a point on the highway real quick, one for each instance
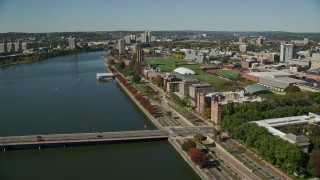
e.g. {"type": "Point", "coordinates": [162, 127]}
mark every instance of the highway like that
{"type": "Point", "coordinates": [235, 165]}
{"type": "Point", "coordinates": [82, 137]}
{"type": "Point", "coordinates": [192, 130]}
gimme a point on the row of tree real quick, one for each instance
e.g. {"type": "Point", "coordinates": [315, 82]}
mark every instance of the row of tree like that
{"type": "Point", "coordinates": [197, 155]}
{"type": "Point", "coordinates": [153, 110]}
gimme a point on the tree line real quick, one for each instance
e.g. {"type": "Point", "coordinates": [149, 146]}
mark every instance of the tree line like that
{"type": "Point", "coordinates": [289, 157]}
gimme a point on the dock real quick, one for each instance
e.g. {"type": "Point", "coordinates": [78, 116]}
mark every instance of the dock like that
{"type": "Point", "coordinates": [103, 76]}
{"type": "Point", "coordinates": [78, 139]}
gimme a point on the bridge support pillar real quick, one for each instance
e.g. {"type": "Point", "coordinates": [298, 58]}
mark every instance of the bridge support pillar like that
{"type": "Point", "coordinates": [39, 147]}
{"type": "Point", "coordinates": [4, 149]}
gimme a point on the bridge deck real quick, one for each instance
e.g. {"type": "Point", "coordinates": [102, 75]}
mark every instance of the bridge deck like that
{"type": "Point", "coordinates": [81, 137]}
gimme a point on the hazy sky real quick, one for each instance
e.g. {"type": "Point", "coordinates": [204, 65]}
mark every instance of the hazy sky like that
{"type": "Point", "coordinates": [109, 15]}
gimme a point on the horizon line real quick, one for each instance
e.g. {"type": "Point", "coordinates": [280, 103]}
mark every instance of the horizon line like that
{"type": "Point", "coordinates": [157, 31]}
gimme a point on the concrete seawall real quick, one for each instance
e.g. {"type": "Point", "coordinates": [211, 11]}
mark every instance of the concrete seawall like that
{"type": "Point", "coordinates": [187, 159]}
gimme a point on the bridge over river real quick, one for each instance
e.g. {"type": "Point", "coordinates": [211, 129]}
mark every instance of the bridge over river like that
{"type": "Point", "coordinates": [58, 140]}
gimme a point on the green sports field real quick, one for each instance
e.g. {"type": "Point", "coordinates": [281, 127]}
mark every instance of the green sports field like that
{"type": "Point", "coordinates": [228, 74]}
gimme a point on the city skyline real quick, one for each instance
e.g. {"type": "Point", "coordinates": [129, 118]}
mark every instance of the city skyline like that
{"type": "Point", "coordinates": [248, 15]}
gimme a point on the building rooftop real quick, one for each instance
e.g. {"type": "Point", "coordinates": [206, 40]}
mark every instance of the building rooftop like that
{"type": "Point", "coordinates": [286, 80]}
{"type": "Point", "coordinates": [201, 85]}
{"type": "Point", "coordinates": [183, 70]}
{"type": "Point", "coordinates": [272, 74]}
{"type": "Point", "coordinates": [256, 88]}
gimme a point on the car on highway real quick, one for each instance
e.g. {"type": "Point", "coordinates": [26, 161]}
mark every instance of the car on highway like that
{"type": "Point", "coordinates": [99, 136]}
{"type": "Point", "coordinates": [40, 139]}
{"type": "Point", "coordinates": [39, 136]}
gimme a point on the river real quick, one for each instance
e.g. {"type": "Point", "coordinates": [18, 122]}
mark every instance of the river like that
{"type": "Point", "coordinates": [61, 95]}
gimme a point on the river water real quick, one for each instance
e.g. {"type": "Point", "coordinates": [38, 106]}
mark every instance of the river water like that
{"type": "Point", "coordinates": [61, 95]}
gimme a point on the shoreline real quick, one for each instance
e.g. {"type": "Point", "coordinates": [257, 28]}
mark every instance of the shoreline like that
{"type": "Point", "coordinates": [27, 62]}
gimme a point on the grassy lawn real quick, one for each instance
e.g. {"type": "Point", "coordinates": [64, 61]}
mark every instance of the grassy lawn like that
{"type": "Point", "coordinates": [165, 64]}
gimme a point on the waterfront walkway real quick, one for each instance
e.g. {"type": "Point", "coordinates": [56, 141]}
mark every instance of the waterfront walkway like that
{"type": "Point", "coordinates": [65, 139]}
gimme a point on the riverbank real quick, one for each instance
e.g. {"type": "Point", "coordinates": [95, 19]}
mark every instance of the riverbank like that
{"type": "Point", "coordinates": [27, 58]}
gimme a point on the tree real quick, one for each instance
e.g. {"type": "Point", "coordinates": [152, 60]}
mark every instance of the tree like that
{"type": "Point", "coordinates": [120, 66]}
{"type": "Point", "coordinates": [158, 80]}
{"type": "Point", "coordinates": [199, 137]}
{"type": "Point", "coordinates": [314, 163]}
{"type": "Point", "coordinates": [169, 113]}
{"type": "Point", "coordinates": [188, 144]}
{"type": "Point", "coordinates": [292, 89]}
{"type": "Point", "coordinates": [111, 62]}
{"type": "Point", "coordinates": [206, 113]}
{"type": "Point", "coordinates": [136, 78]}
{"type": "Point", "coordinates": [198, 157]}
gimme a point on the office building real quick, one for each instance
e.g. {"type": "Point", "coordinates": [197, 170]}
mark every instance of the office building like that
{"type": "Point", "coordinates": [287, 52]}
{"type": "Point", "coordinates": [121, 46]}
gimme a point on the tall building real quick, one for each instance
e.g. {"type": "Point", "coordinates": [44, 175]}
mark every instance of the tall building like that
{"type": "Point", "coordinates": [72, 42]}
{"type": "Point", "coordinates": [146, 37]}
{"type": "Point", "coordinates": [121, 45]}
{"type": "Point", "coordinates": [18, 47]}
{"type": "Point", "coordinates": [140, 56]}
{"type": "Point", "coordinates": [287, 52]}
{"type": "Point", "coordinates": [243, 40]}
{"type": "Point", "coordinates": [10, 47]}
{"type": "Point", "coordinates": [3, 48]}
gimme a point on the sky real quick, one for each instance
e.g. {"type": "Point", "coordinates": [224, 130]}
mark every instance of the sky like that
{"type": "Point", "coordinates": [156, 15]}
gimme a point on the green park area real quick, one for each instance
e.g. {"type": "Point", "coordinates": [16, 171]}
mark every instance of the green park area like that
{"type": "Point", "coordinates": [168, 65]}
